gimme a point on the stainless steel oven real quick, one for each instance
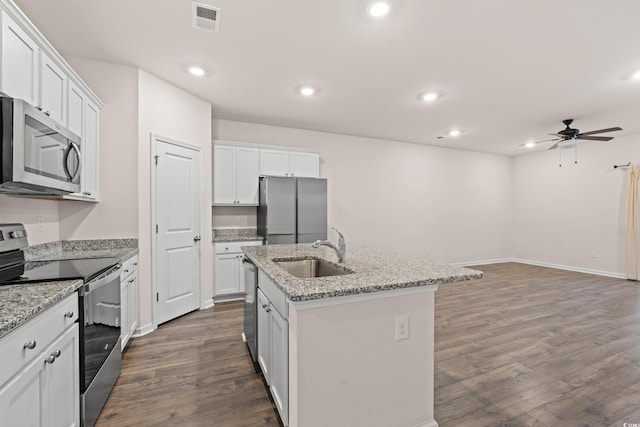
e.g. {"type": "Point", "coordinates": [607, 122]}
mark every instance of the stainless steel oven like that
{"type": "Point", "coordinates": [100, 355]}
{"type": "Point", "coordinates": [99, 311]}
{"type": "Point", "coordinates": [37, 155]}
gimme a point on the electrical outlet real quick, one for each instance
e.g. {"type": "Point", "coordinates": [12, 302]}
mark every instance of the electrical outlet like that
{"type": "Point", "coordinates": [40, 224]}
{"type": "Point", "coordinates": [594, 254]}
{"type": "Point", "coordinates": [402, 327]}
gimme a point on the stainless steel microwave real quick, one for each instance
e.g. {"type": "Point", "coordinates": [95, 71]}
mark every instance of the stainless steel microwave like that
{"type": "Point", "coordinates": [38, 156]}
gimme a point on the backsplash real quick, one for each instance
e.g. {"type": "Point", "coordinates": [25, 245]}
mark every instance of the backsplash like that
{"type": "Point", "coordinates": [52, 249]}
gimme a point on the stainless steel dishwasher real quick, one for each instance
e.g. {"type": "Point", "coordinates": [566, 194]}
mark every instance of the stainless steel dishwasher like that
{"type": "Point", "coordinates": [251, 307]}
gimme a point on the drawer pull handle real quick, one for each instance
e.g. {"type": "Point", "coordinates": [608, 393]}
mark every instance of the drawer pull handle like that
{"type": "Point", "coordinates": [69, 314]}
{"type": "Point", "coordinates": [265, 305]}
{"type": "Point", "coordinates": [268, 310]}
{"type": "Point", "coordinates": [132, 280]}
{"type": "Point", "coordinates": [52, 357]}
{"type": "Point", "coordinates": [126, 271]}
{"type": "Point", "coordinates": [135, 264]}
{"type": "Point", "coordinates": [30, 345]}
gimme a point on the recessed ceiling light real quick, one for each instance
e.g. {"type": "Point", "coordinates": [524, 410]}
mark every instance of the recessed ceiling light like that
{"type": "Point", "coordinates": [196, 71]}
{"type": "Point", "coordinates": [454, 132]}
{"type": "Point", "coordinates": [530, 144]}
{"type": "Point", "coordinates": [430, 96]}
{"type": "Point", "coordinates": [636, 76]}
{"type": "Point", "coordinates": [307, 90]}
{"type": "Point", "coordinates": [379, 9]}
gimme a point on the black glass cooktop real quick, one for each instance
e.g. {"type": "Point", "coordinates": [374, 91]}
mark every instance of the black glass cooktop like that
{"type": "Point", "coordinates": [47, 271]}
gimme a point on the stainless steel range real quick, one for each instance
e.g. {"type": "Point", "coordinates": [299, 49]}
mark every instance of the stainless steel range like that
{"type": "Point", "coordinates": [100, 357]}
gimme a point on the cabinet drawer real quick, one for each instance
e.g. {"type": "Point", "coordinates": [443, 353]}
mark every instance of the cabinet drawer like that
{"type": "Point", "coordinates": [41, 330]}
{"type": "Point", "coordinates": [233, 247]}
{"type": "Point", "coordinates": [129, 267]}
{"type": "Point", "coordinates": [274, 294]}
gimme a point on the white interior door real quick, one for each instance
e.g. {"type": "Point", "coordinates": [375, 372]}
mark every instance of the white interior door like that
{"type": "Point", "coordinates": [178, 206]}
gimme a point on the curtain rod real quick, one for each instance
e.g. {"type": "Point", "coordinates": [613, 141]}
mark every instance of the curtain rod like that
{"type": "Point", "coordinates": [622, 166]}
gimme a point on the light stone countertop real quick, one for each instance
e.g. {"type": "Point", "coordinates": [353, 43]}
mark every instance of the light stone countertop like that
{"type": "Point", "coordinates": [235, 235]}
{"type": "Point", "coordinates": [77, 249]}
{"type": "Point", "coordinates": [19, 303]}
{"type": "Point", "coordinates": [374, 271]}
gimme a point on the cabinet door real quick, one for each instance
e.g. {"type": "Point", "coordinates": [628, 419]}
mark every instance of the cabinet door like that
{"type": "Point", "coordinates": [274, 162]}
{"type": "Point", "coordinates": [279, 346]}
{"type": "Point", "coordinates": [224, 175]}
{"type": "Point", "coordinates": [305, 164]}
{"type": "Point", "coordinates": [20, 68]}
{"type": "Point", "coordinates": [89, 146]}
{"type": "Point", "coordinates": [124, 314]}
{"type": "Point", "coordinates": [53, 90]}
{"type": "Point", "coordinates": [22, 398]}
{"type": "Point", "coordinates": [63, 381]}
{"type": "Point", "coordinates": [264, 320]}
{"type": "Point", "coordinates": [247, 175]}
{"type": "Point", "coordinates": [226, 278]}
{"type": "Point", "coordinates": [132, 303]}
{"type": "Point", "coordinates": [75, 109]}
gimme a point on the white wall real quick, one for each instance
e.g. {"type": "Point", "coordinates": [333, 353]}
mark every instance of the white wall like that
{"type": "Point", "coordinates": [451, 205]}
{"type": "Point", "coordinates": [116, 216]}
{"type": "Point", "coordinates": [168, 111]}
{"type": "Point", "coordinates": [27, 211]}
{"type": "Point", "coordinates": [563, 214]}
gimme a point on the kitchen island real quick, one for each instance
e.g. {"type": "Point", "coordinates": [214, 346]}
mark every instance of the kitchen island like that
{"type": "Point", "coordinates": [358, 346]}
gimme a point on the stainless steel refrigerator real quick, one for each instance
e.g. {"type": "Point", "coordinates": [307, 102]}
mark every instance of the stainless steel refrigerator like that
{"type": "Point", "coordinates": [292, 210]}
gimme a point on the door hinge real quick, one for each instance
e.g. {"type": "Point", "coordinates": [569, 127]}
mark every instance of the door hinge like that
{"type": "Point", "coordinates": [156, 228]}
{"type": "Point", "coordinates": [157, 296]}
{"type": "Point", "coordinates": [156, 157]}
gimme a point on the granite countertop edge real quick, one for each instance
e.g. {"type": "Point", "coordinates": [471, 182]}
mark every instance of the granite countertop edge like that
{"type": "Point", "coordinates": [21, 305]}
{"type": "Point", "coordinates": [237, 239]}
{"type": "Point", "coordinates": [22, 302]}
{"type": "Point", "coordinates": [373, 271]}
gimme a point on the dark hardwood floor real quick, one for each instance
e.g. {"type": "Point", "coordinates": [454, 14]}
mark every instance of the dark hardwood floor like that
{"type": "Point", "coordinates": [526, 346]}
{"type": "Point", "coordinates": [192, 371]}
{"type": "Point", "coordinates": [533, 346]}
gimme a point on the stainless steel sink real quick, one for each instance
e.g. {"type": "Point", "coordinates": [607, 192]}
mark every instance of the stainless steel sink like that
{"type": "Point", "coordinates": [309, 268]}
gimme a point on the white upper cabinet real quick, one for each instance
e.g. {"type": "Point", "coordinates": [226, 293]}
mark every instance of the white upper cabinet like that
{"type": "Point", "coordinates": [20, 59]}
{"type": "Point", "coordinates": [274, 162]}
{"type": "Point", "coordinates": [289, 163]}
{"type": "Point", "coordinates": [75, 109]}
{"type": "Point", "coordinates": [31, 69]}
{"type": "Point", "coordinates": [305, 164]}
{"type": "Point", "coordinates": [53, 90]}
{"type": "Point", "coordinates": [235, 175]}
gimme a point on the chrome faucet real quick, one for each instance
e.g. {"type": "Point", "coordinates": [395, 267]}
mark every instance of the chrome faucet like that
{"type": "Point", "coordinates": [341, 249]}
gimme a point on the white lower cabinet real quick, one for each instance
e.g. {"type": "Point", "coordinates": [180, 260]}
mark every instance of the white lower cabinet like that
{"type": "Point", "coordinates": [128, 299]}
{"type": "Point", "coordinates": [273, 344]}
{"type": "Point", "coordinates": [45, 391]}
{"type": "Point", "coordinates": [228, 277]}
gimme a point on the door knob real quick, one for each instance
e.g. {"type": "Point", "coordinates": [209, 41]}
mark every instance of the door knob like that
{"type": "Point", "coordinates": [196, 238]}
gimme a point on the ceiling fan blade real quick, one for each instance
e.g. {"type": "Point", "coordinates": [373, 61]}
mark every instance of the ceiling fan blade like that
{"type": "Point", "coordinates": [600, 131]}
{"type": "Point", "coordinates": [595, 138]}
{"type": "Point", "coordinates": [554, 146]}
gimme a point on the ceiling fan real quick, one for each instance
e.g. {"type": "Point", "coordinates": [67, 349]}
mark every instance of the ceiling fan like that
{"type": "Point", "coordinates": [568, 137]}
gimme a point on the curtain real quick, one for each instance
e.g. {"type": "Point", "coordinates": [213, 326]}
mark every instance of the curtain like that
{"type": "Point", "coordinates": [633, 210]}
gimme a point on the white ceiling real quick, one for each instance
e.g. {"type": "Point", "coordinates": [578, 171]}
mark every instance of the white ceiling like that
{"type": "Point", "coordinates": [510, 71]}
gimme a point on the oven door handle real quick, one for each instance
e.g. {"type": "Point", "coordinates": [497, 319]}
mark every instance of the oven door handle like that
{"type": "Point", "coordinates": [95, 284]}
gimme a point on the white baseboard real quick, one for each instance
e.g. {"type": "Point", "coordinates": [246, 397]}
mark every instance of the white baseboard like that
{"type": "Point", "coordinates": [543, 264]}
{"type": "Point", "coordinates": [571, 268]}
{"type": "Point", "coordinates": [429, 424]}
{"type": "Point", "coordinates": [227, 298]}
{"type": "Point", "coordinates": [207, 304]}
{"type": "Point", "coordinates": [143, 330]}
{"type": "Point", "coordinates": [486, 261]}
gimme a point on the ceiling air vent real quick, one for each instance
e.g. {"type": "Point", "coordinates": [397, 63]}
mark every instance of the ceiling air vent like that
{"type": "Point", "coordinates": [206, 17]}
